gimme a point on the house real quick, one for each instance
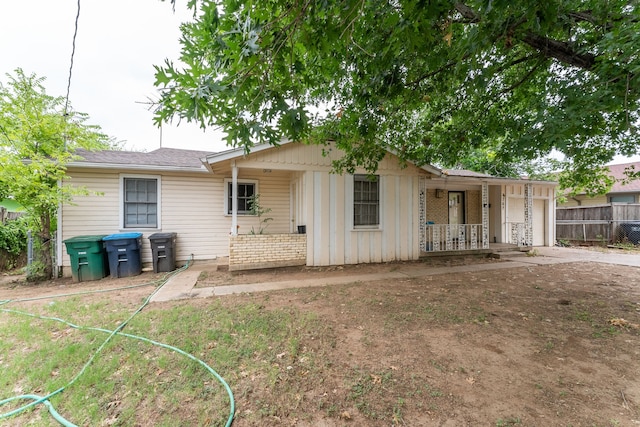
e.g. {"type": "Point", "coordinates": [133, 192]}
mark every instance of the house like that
{"type": "Point", "coordinates": [318, 217]}
{"type": "Point", "coordinates": [621, 192]}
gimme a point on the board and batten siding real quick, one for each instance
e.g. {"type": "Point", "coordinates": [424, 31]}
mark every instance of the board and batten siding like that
{"type": "Point", "coordinates": [331, 236]}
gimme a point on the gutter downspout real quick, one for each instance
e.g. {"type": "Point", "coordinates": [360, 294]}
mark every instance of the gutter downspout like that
{"type": "Point", "coordinates": [59, 217]}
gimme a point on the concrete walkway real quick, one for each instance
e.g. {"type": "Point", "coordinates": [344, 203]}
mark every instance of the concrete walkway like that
{"type": "Point", "coordinates": [182, 285]}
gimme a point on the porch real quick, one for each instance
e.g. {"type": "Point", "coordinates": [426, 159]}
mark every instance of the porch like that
{"type": "Point", "coordinates": [469, 237]}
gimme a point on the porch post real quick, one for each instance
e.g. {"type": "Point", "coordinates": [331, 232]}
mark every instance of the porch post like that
{"type": "Point", "coordinates": [422, 213]}
{"type": "Point", "coordinates": [528, 214]}
{"type": "Point", "coordinates": [485, 215]}
{"type": "Point", "coordinates": [234, 199]}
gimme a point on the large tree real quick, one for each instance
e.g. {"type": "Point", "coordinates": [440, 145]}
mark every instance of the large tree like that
{"type": "Point", "coordinates": [432, 80]}
{"type": "Point", "coordinates": [38, 134]}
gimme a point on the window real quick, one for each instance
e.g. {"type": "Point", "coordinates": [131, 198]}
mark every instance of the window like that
{"type": "Point", "coordinates": [366, 200]}
{"type": "Point", "coordinates": [630, 198]}
{"type": "Point", "coordinates": [140, 202]}
{"type": "Point", "coordinates": [246, 191]}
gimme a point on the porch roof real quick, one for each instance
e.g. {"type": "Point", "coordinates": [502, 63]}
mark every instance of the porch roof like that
{"type": "Point", "coordinates": [466, 176]}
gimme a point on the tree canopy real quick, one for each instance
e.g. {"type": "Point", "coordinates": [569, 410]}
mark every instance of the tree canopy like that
{"type": "Point", "coordinates": [38, 134]}
{"type": "Point", "coordinates": [431, 80]}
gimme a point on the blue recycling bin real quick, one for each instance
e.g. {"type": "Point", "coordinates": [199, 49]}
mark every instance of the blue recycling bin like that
{"type": "Point", "coordinates": [123, 251]}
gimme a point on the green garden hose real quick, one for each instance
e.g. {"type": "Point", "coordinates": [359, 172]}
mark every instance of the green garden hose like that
{"type": "Point", "coordinates": [35, 399]}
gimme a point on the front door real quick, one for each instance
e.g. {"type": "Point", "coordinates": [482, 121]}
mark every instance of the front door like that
{"type": "Point", "coordinates": [456, 212]}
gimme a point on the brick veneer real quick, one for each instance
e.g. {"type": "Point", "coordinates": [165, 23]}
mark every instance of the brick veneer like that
{"type": "Point", "coordinates": [438, 207]}
{"type": "Point", "coordinates": [254, 251]}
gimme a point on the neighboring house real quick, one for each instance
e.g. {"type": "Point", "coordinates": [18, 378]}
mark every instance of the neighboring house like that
{"type": "Point", "coordinates": [401, 213]}
{"type": "Point", "coordinates": [620, 192]}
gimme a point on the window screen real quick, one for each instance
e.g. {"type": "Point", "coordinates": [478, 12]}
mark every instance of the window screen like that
{"type": "Point", "coordinates": [366, 200]}
{"type": "Point", "coordinates": [140, 203]}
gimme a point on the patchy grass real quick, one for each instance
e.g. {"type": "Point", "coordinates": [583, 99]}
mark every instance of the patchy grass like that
{"type": "Point", "coordinates": [135, 383]}
{"type": "Point", "coordinates": [545, 345]}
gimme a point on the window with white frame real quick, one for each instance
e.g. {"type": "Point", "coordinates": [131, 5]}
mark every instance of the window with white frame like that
{"type": "Point", "coordinates": [366, 200]}
{"type": "Point", "coordinates": [140, 197]}
{"type": "Point", "coordinates": [247, 189]}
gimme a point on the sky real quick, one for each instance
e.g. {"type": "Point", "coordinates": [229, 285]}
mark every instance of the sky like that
{"type": "Point", "coordinates": [117, 44]}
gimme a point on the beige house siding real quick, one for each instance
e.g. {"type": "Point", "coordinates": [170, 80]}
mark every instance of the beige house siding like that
{"type": "Point", "coordinates": [302, 155]}
{"type": "Point", "coordinates": [192, 205]}
{"type": "Point", "coordinates": [95, 213]}
{"type": "Point", "coordinates": [310, 195]}
{"type": "Point", "coordinates": [331, 237]}
{"type": "Point", "coordinates": [182, 211]}
{"type": "Point", "coordinates": [274, 191]}
{"type": "Point", "coordinates": [582, 200]}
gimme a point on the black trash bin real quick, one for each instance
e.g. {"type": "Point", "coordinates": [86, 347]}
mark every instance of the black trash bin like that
{"type": "Point", "coordinates": [630, 231]}
{"type": "Point", "coordinates": [123, 251]}
{"type": "Point", "coordinates": [163, 251]}
{"type": "Point", "coordinates": [88, 257]}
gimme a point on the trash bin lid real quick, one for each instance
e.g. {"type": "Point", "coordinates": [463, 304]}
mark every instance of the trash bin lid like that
{"type": "Point", "coordinates": [92, 238]}
{"type": "Point", "coordinates": [162, 236]}
{"type": "Point", "coordinates": [121, 236]}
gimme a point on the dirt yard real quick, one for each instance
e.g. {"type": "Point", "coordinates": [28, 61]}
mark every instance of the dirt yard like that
{"type": "Point", "coordinates": [555, 345]}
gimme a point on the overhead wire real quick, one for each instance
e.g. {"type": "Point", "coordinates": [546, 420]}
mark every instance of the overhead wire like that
{"type": "Point", "coordinates": [73, 52]}
{"type": "Point", "coordinates": [35, 399]}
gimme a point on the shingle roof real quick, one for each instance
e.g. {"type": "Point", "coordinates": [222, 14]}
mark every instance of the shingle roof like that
{"type": "Point", "coordinates": [617, 171]}
{"type": "Point", "coordinates": [171, 157]}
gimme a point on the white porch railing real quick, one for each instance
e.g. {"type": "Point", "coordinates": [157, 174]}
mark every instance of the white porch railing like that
{"type": "Point", "coordinates": [517, 233]}
{"type": "Point", "coordinates": [447, 237]}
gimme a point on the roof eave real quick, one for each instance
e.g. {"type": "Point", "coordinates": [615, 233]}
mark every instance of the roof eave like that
{"type": "Point", "coordinates": [154, 168]}
{"type": "Point", "coordinates": [235, 153]}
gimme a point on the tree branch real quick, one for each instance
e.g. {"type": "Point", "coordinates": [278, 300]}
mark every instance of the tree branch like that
{"type": "Point", "coordinates": [435, 72]}
{"type": "Point", "coordinates": [524, 78]}
{"type": "Point", "coordinates": [562, 51]}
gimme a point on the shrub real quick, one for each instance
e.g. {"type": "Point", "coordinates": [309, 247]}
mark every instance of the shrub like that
{"type": "Point", "coordinates": [13, 241]}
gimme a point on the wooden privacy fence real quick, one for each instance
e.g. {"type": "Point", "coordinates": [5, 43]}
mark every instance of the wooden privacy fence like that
{"type": "Point", "coordinates": [611, 223]}
{"type": "Point", "coordinates": [8, 216]}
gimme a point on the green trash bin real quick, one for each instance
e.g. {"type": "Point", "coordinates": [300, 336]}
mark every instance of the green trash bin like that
{"type": "Point", "coordinates": [88, 257]}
